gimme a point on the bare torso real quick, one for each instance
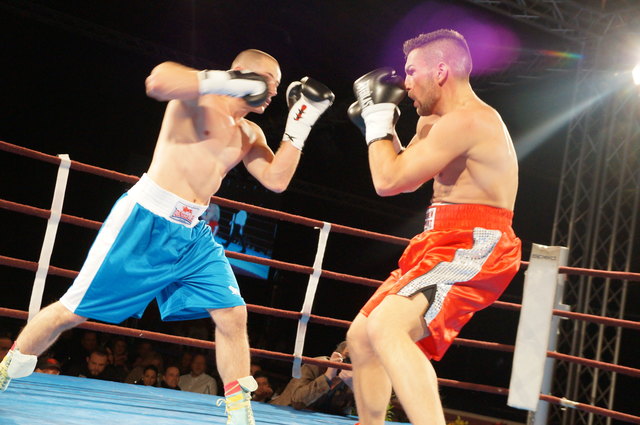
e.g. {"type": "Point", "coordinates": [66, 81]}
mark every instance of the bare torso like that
{"type": "Point", "coordinates": [484, 169]}
{"type": "Point", "coordinates": [197, 146]}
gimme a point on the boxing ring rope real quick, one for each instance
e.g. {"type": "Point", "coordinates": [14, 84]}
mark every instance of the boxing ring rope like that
{"type": "Point", "coordinates": [78, 221]}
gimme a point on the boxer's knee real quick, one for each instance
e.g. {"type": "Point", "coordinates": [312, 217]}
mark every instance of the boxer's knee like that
{"type": "Point", "coordinates": [61, 317]}
{"type": "Point", "coordinates": [357, 337]}
{"type": "Point", "coordinates": [230, 320]}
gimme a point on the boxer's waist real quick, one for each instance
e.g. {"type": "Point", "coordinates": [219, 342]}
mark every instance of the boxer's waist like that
{"type": "Point", "coordinates": [164, 203]}
{"type": "Point", "coordinates": [467, 216]}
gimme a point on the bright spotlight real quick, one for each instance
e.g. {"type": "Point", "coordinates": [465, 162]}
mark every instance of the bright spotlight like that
{"type": "Point", "coordinates": [636, 74]}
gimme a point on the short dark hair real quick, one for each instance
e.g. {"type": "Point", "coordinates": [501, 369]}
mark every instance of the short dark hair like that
{"type": "Point", "coordinates": [152, 367]}
{"type": "Point", "coordinates": [260, 374]}
{"type": "Point", "coordinates": [453, 48]}
{"type": "Point", "coordinates": [99, 352]}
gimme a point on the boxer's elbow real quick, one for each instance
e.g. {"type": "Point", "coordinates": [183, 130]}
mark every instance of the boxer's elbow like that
{"type": "Point", "coordinates": [157, 83]}
{"type": "Point", "coordinates": [278, 187]}
{"type": "Point", "coordinates": [385, 186]}
{"type": "Point", "coordinates": [386, 191]}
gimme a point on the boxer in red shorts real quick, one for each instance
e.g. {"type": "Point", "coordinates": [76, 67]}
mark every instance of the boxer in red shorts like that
{"type": "Point", "coordinates": [468, 252]}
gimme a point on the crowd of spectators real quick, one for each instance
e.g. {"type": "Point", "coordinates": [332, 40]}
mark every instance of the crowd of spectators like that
{"type": "Point", "coordinates": [94, 355]}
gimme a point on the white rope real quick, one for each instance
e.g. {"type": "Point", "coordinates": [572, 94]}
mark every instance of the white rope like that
{"type": "Point", "coordinates": [50, 235]}
{"type": "Point", "coordinates": [312, 286]}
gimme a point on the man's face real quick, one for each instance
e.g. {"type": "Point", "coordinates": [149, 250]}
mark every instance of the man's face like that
{"type": "Point", "coordinates": [420, 83]}
{"type": "Point", "coordinates": [96, 363]}
{"type": "Point", "coordinates": [120, 347]}
{"type": "Point", "coordinates": [198, 365]}
{"type": "Point", "coordinates": [5, 346]}
{"type": "Point", "coordinates": [263, 384]}
{"type": "Point", "coordinates": [171, 376]}
{"type": "Point", "coordinates": [89, 341]}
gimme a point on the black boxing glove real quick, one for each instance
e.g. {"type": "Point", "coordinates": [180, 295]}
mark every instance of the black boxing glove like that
{"type": "Point", "coordinates": [250, 86]}
{"type": "Point", "coordinates": [378, 93]}
{"type": "Point", "coordinates": [355, 115]}
{"type": "Point", "coordinates": [307, 100]}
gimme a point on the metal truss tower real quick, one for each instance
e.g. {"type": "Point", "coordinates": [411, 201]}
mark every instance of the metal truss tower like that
{"type": "Point", "coordinates": [596, 217]}
{"type": "Point", "coordinates": [597, 207]}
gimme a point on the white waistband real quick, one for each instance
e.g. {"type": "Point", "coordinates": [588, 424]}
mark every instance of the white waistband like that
{"type": "Point", "coordinates": [164, 203]}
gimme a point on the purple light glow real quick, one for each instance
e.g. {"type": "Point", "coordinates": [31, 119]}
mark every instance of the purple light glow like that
{"type": "Point", "coordinates": [493, 47]}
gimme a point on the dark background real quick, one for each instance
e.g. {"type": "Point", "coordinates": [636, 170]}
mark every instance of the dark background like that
{"type": "Point", "coordinates": [72, 82]}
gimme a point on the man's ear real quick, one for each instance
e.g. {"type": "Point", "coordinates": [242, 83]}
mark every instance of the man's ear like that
{"type": "Point", "coordinates": [442, 73]}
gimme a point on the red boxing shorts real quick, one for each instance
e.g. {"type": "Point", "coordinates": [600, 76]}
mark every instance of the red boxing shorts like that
{"type": "Point", "coordinates": [462, 262]}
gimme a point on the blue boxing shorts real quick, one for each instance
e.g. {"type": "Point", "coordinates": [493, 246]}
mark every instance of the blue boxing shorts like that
{"type": "Point", "coordinates": [153, 245]}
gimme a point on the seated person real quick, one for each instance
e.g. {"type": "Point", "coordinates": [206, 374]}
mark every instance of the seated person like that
{"type": "Point", "coordinates": [97, 367]}
{"type": "Point", "coordinates": [264, 391]}
{"type": "Point", "coordinates": [149, 376]}
{"type": "Point", "coordinates": [6, 342]}
{"type": "Point", "coordinates": [321, 389]}
{"type": "Point", "coordinates": [170, 378]}
{"type": "Point", "coordinates": [197, 381]}
{"type": "Point", "coordinates": [150, 358]}
{"type": "Point", "coordinates": [48, 365]}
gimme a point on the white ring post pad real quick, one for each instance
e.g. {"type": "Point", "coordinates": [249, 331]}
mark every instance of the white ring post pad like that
{"type": "Point", "coordinates": [312, 286]}
{"type": "Point", "coordinates": [50, 235]}
{"type": "Point", "coordinates": [532, 340]}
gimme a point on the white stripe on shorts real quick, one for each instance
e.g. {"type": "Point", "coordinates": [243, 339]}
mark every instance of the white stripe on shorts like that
{"type": "Point", "coordinates": [99, 250]}
{"type": "Point", "coordinates": [466, 264]}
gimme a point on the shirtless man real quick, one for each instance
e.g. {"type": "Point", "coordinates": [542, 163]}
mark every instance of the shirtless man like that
{"type": "Point", "coordinates": [467, 254]}
{"type": "Point", "coordinates": [152, 245]}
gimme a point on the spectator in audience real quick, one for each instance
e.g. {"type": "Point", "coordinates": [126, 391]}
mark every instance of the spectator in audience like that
{"type": "Point", "coordinates": [152, 358]}
{"type": "Point", "coordinates": [97, 367]}
{"type": "Point", "coordinates": [119, 358]}
{"type": "Point", "coordinates": [142, 352]}
{"type": "Point", "coordinates": [264, 391]}
{"type": "Point", "coordinates": [170, 378]}
{"type": "Point", "coordinates": [149, 376]}
{"type": "Point", "coordinates": [185, 362]}
{"type": "Point", "coordinates": [75, 360]}
{"type": "Point", "coordinates": [197, 381]}
{"type": "Point", "coordinates": [5, 344]}
{"type": "Point", "coordinates": [321, 389]}
{"type": "Point", "coordinates": [255, 367]}
{"type": "Point", "coordinates": [48, 365]}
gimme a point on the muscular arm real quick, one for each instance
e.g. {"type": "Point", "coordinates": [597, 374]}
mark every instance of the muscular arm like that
{"type": "Point", "coordinates": [273, 171]}
{"type": "Point", "coordinates": [434, 146]}
{"type": "Point", "coordinates": [170, 80]}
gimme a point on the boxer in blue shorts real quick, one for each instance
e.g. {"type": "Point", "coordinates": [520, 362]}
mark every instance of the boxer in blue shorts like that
{"type": "Point", "coordinates": [153, 244]}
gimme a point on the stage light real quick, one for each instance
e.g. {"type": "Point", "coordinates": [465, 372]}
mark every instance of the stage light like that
{"type": "Point", "coordinates": [636, 74]}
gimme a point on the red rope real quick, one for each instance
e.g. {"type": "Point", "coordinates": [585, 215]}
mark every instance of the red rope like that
{"type": "Point", "coordinates": [79, 166]}
{"type": "Point", "coordinates": [628, 324]}
{"type": "Point", "coordinates": [548, 398]}
{"type": "Point", "coordinates": [304, 269]}
{"type": "Point", "coordinates": [578, 271]}
{"type": "Point", "coordinates": [39, 212]}
{"type": "Point", "coordinates": [75, 165]}
{"type": "Point", "coordinates": [603, 320]}
{"type": "Point", "coordinates": [624, 370]}
{"type": "Point", "coordinates": [591, 409]}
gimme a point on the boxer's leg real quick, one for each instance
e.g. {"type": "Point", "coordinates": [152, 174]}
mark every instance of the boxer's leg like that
{"type": "Point", "coordinates": [233, 359]}
{"type": "Point", "coordinates": [39, 334]}
{"type": "Point", "coordinates": [393, 327]}
{"type": "Point", "coordinates": [372, 387]}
